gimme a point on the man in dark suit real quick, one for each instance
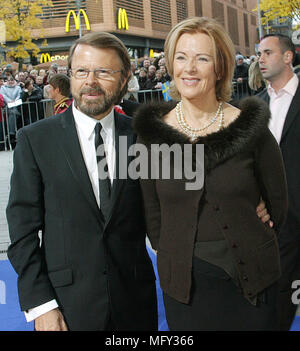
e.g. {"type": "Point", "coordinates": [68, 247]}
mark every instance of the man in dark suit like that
{"type": "Point", "coordinates": [276, 53]}
{"type": "Point", "coordinates": [90, 270]}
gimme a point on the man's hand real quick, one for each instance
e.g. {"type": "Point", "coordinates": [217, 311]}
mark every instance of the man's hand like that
{"type": "Point", "coordinates": [50, 321]}
{"type": "Point", "coordinates": [262, 213]}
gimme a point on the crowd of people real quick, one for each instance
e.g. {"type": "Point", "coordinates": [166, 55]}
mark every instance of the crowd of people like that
{"type": "Point", "coordinates": [22, 92]}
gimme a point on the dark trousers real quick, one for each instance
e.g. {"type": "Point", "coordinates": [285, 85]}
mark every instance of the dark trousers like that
{"type": "Point", "coordinates": [290, 267]}
{"type": "Point", "coordinates": [218, 304]}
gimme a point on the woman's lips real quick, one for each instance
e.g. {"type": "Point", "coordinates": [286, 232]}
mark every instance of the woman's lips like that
{"type": "Point", "coordinates": [190, 81]}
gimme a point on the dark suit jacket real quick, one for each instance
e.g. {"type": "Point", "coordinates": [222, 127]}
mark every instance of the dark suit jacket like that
{"type": "Point", "coordinates": [85, 263]}
{"type": "Point", "coordinates": [290, 148]}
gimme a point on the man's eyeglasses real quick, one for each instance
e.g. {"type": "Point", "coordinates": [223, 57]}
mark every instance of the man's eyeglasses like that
{"type": "Point", "coordinates": [100, 73]}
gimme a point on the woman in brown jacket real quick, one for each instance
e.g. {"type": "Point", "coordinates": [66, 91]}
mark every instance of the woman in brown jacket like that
{"type": "Point", "coordinates": [218, 263]}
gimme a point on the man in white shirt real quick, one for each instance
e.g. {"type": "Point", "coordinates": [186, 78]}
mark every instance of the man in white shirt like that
{"type": "Point", "coordinates": [276, 54]}
{"type": "Point", "coordinates": [91, 270]}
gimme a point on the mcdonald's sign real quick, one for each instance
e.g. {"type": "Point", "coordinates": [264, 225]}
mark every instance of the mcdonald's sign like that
{"type": "Point", "coordinates": [76, 20]}
{"type": "Point", "coordinates": [45, 58]}
{"type": "Point", "coordinates": [122, 19]}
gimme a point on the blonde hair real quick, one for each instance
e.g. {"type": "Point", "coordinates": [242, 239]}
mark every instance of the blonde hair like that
{"type": "Point", "coordinates": [223, 52]}
{"type": "Point", "coordinates": [256, 79]}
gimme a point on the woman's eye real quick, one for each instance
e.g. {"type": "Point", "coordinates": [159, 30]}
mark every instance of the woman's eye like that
{"type": "Point", "coordinates": [203, 59]}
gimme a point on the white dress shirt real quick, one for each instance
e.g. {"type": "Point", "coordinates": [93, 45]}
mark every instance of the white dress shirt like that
{"type": "Point", "coordinates": [85, 126]}
{"type": "Point", "coordinates": [280, 104]}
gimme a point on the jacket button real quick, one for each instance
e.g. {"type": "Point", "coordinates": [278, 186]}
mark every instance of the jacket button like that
{"type": "Point", "coordinates": [217, 208]}
{"type": "Point", "coordinates": [104, 272]}
{"type": "Point", "coordinates": [225, 226]}
{"type": "Point", "coordinates": [241, 262]}
{"type": "Point", "coordinates": [245, 278]}
{"type": "Point", "coordinates": [234, 246]}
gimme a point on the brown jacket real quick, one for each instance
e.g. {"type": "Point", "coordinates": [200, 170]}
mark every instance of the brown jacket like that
{"type": "Point", "coordinates": [242, 163]}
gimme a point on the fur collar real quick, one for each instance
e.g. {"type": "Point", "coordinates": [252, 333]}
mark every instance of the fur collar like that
{"type": "Point", "coordinates": [241, 135]}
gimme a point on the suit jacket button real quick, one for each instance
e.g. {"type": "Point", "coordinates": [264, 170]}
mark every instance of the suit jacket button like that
{"type": "Point", "coordinates": [241, 262]}
{"type": "Point", "coordinates": [245, 278]}
{"type": "Point", "coordinates": [234, 246]}
{"type": "Point", "coordinates": [217, 208]}
{"type": "Point", "coordinates": [104, 272]}
{"type": "Point", "coordinates": [225, 226]}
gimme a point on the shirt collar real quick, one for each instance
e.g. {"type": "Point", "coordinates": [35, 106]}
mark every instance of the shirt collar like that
{"type": "Point", "coordinates": [87, 124]}
{"type": "Point", "coordinates": [290, 87]}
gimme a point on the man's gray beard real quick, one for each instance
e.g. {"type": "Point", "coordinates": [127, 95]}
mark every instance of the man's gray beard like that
{"type": "Point", "coordinates": [92, 108]}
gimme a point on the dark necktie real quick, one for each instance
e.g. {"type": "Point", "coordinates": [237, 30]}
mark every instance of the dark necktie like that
{"type": "Point", "coordinates": [104, 181]}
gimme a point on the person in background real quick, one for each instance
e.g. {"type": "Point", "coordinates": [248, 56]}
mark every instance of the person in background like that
{"type": "Point", "coordinates": [166, 76]}
{"type": "Point", "coordinates": [218, 263]}
{"type": "Point", "coordinates": [142, 79]}
{"type": "Point", "coordinates": [256, 81]}
{"type": "Point", "coordinates": [151, 77]}
{"type": "Point", "coordinates": [62, 70]}
{"type": "Point", "coordinates": [33, 110]}
{"type": "Point", "coordinates": [11, 93]}
{"type": "Point", "coordinates": [59, 91]}
{"type": "Point", "coordinates": [276, 54]}
{"type": "Point", "coordinates": [240, 77]}
{"type": "Point", "coordinates": [39, 82]}
{"type": "Point", "coordinates": [146, 63]}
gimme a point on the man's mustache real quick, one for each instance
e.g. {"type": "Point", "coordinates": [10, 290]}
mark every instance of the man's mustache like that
{"type": "Point", "coordinates": [95, 90]}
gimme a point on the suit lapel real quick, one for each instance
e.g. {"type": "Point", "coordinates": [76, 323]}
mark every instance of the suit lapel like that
{"type": "Point", "coordinates": [292, 112]}
{"type": "Point", "coordinates": [122, 129]}
{"type": "Point", "coordinates": [71, 148]}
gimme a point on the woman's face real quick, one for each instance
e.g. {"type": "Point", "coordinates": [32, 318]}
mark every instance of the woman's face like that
{"type": "Point", "coordinates": [193, 66]}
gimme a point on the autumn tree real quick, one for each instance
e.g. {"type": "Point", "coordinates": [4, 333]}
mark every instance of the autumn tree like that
{"type": "Point", "coordinates": [280, 9]}
{"type": "Point", "coordinates": [21, 17]}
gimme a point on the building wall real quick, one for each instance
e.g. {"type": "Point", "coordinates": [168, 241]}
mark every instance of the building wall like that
{"type": "Point", "coordinates": [154, 18]}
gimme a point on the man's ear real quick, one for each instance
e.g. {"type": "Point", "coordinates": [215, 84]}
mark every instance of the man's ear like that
{"type": "Point", "coordinates": [288, 57]}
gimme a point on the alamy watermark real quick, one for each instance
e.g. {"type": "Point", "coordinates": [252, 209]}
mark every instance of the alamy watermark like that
{"type": "Point", "coordinates": [185, 162]}
{"type": "Point", "coordinates": [296, 293]}
{"type": "Point", "coordinates": [2, 293]}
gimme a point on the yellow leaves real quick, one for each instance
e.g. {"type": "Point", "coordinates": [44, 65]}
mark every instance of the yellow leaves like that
{"type": "Point", "coordinates": [21, 17]}
{"type": "Point", "coordinates": [276, 9]}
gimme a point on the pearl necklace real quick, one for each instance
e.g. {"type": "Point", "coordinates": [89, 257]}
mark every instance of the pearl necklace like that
{"type": "Point", "coordinates": [193, 132]}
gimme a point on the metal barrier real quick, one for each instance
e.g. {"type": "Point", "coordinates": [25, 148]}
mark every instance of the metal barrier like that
{"type": "Point", "coordinates": [150, 95]}
{"type": "Point", "coordinates": [14, 118]}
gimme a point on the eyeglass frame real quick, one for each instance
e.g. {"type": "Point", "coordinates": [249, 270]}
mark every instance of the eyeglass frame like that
{"type": "Point", "coordinates": [87, 71]}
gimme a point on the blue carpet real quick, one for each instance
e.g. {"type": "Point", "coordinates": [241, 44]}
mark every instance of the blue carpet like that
{"type": "Point", "coordinates": [12, 319]}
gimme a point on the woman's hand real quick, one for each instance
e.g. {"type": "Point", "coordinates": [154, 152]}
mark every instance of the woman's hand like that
{"type": "Point", "coordinates": [263, 214]}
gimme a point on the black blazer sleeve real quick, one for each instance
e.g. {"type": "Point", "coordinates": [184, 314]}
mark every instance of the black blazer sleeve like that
{"type": "Point", "coordinates": [152, 208]}
{"type": "Point", "coordinates": [25, 216]}
{"type": "Point", "coordinates": [270, 171]}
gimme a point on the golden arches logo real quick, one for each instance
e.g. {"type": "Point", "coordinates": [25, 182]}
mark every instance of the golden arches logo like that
{"type": "Point", "coordinates": [76, 20]}
{"type": "Point", "coordinates": [45, 58]}
{"type": "Point", "coordinates": [122, 19]}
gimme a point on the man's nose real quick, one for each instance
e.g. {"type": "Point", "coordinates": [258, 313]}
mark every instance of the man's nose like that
{"type": "Point", "coordinates": [91, 79]}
